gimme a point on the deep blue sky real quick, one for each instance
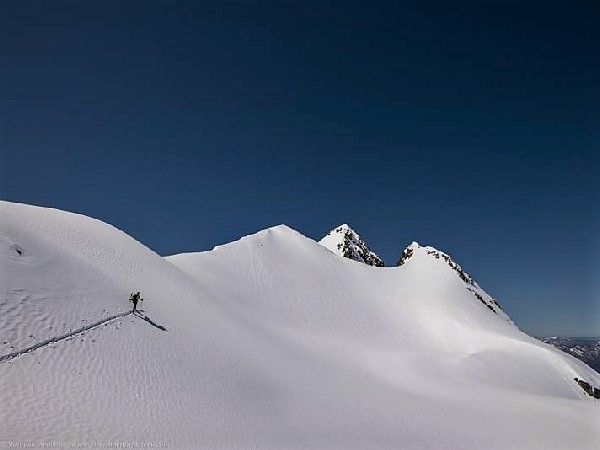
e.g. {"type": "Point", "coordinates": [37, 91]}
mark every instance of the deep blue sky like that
{"type": "Point", "coordinates": [189, 124]}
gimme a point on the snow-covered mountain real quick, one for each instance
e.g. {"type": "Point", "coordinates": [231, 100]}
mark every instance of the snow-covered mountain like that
{"type": "Point", "coordinates": [346, 242]}
{"type": "Point", "coordinates": [270, 341]}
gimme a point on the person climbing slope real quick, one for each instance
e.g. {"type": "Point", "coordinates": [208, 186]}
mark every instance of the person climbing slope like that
{"type": "Point", "coordinates": [135, 298]}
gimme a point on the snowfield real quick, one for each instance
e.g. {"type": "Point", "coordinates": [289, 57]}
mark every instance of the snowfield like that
{"type": "Point", "coordinates": [268, 342]}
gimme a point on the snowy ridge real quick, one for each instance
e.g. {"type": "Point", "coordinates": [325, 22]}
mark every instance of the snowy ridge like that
{"type": "Point", "coordinates": [434, 252]}
{"type": "Point", "coordinates": [272, 342]}
{"type": "Point", "coordinates": [414, 249]}
{"type": "Point", "coordinates": [344, 241]}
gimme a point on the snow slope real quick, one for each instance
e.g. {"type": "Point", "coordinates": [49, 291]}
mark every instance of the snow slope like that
{"type": "Point", "coordinates": [271, 341]}
{"type": "Point", "coordinates": [344, 241]}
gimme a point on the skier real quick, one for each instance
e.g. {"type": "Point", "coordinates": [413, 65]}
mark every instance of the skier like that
{"type": "Point", "coordinates": [135, 298]}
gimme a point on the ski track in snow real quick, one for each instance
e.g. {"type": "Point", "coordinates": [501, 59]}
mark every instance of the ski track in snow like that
{"type": "Point", "coordinates": [13, 355]}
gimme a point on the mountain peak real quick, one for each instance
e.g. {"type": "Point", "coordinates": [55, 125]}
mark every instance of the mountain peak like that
{"type": "Point", "coordinates": [346, 242]}
{"type": "Point", "coordinates": [431, 252]}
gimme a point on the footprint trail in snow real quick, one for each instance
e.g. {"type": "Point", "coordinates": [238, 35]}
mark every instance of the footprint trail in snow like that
{"type": "Point", "coordinates": [10, 356]}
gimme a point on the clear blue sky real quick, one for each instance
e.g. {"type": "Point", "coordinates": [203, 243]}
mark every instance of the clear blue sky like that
{"type": "Point", "coordinates": [189, 124]}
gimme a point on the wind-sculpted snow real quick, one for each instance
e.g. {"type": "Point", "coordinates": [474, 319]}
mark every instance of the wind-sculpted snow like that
{"type": "Point", "coordinates": [272, 342]}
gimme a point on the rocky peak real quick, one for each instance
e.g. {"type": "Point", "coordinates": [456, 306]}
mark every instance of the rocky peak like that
{"type": "Point", "coordinates": [346, 242]}
{"type": "Point", "coordinates": [407, 253]}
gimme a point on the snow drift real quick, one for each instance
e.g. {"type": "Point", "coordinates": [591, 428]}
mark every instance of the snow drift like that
{"type": "Point", "coordinates": [271, 341]}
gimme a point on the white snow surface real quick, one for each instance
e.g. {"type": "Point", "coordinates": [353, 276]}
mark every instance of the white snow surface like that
{"type": "Point", "coordinates": [271, 342]}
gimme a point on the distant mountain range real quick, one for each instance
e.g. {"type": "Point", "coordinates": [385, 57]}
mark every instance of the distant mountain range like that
{"type": "Point", "coordinates": [586, 349]}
